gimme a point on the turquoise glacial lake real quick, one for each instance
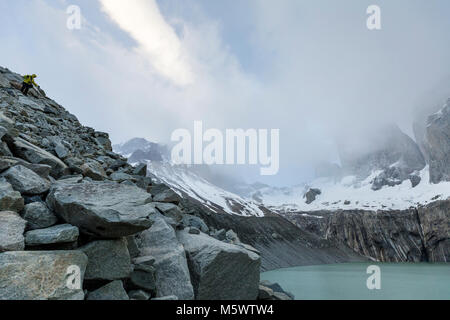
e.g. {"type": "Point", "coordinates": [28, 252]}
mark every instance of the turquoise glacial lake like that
{"type": "Point", "coordinates": [401, 281]}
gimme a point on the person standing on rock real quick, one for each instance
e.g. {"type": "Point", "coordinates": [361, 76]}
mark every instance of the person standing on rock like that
{"type": "Point", "coordinates": [28, 82]}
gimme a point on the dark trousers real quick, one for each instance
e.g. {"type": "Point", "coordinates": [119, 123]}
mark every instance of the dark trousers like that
{"type": "Point", "coordinates": [25, 88]}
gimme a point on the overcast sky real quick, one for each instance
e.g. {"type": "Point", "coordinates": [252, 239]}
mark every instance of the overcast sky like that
{"type": "Point", "coordinates": [309, 68]}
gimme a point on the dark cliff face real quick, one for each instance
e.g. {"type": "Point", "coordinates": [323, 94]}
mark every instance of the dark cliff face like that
{"type": "Point", "coordinates": [413, 235]}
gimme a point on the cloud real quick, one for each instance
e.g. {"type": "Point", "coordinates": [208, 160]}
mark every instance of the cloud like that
{"type": "Point", "coordinates": [156, 38]}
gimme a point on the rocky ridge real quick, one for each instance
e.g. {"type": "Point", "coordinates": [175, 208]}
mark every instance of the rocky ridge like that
{"type": "Point", "coordinates": [78, 222]}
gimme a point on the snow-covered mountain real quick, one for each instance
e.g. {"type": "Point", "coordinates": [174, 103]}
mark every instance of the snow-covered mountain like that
{"type": "Point", "coordinates": [185, 180]}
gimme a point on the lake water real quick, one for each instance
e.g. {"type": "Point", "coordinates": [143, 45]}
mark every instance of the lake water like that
{"type": "Point", "coordinates": [349, 281]}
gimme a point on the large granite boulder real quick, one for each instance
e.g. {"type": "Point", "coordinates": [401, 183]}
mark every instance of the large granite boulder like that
{"type": "Point", "coordinates": [12, 227]}
{"type": "Point", "coordinates": [220, 271]}
{"type": "Point", "coordinates": [26, 181]}
{"type": "Point", "coordinates": [31, 153]}
{"type": "Point", "coordinates": [42, 275]}
{"type": "Point", "coordinates": [172, 273]}
{"type": "Point", "coordinates": [108, 260]}
{"type": "Point", "coordinates": [108, 210]}
{"type": "Point", "coordinates": [10, 200]}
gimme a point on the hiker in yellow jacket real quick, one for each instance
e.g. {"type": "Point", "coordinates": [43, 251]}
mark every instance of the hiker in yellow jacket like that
{"type": "Point", "coordinates": [28, 82]}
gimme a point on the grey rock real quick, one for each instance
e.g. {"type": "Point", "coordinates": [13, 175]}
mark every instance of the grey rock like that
{"type": "Point", "coordinates": [311, 195]}
{"type": "Point", "coordinates": [38, 216]}
{"type": "Point", "coordinates": [434, 221]}
{"type": "Point", "coordinates": [132, 246]}
{"type": "Point", "coordinates": [145, 260]}
{"type": "Point", "coordinates": [264, 293]}
{"type": "Point", "coordinates": [170, 210]}
{"type": "Point", "coordinates": [415, 180]}
{"type": "Point", "coordinates": [113, 291]}
{"type": "Point", "coordinates": [108, 260]}
{"type": "Point", "coordinates": [140, 170]}
{"type": "Point", "coordinates": [10, 200]}
{"type": "Point", "coordinates": [193, 230]}
{"type": "Point", "coordinates": [26, 181]}
{"type": "Point", "coordinates": [103, 209]}
{"type": "Point", "coordinates": [139, 295]}
{"type": "Point", "coordinates": [232, 236]}
{"type": "Point", "coordinates": [168, 196]}
{"type": "Point", "coordinates": [121, 176]}
{"type": "Point", "coordinates": [437, 144]}
{"type": "Point", "coordinates": [221, 271]}
{"type": "Point", "coordinates": [196, 222]}
{"type": "Point", "coordinates": [40, 275]}
{"type": "Point", "coordinates": [276, 288]}
{"type": "Point", "coordinates": [57, 234]}
{"type": "Point", "coordinates": [144, 277]}
{"type": "Point", "coordinates": [12, 227]}
{"type": "Point", "coordinates": [36, 155]}
{"type": "Point", "coordinates": [172, 273]}
{"type": "Point", "coordinates": [220, 235]}
{"type": "Point", "coordinates": [94, 170]}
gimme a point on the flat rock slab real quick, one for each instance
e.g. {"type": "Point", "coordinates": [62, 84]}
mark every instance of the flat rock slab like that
{"type": "Point", "coordinates": [63, 233]}
{"type": "Point", "coordinates": [26, 181]}
{"type": "Point", "coordinates": [107, 210]}
{"type": "Point", "coordinates": [12, 227]}
{"type": "Point", "coordinates": [172, 272]}
{"type": "Point", "coordinates": [34, 154]}
{"type": "Point", "coordinates": [42, 275]}
{"type": "Point", "coordinates": [10, 200]}
{"type": "Point", "coordinates": [113, 291]}
{"type": "Point", "coordinates": [220, 271]}
{"type": "Point", "coordinates": [108, 260]}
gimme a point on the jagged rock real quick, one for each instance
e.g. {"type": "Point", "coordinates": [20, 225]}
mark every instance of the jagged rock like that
{"type": "Point", "coordinates": [103, 209]}
{"type": "Point", "coordinates": [10, 200]}
{"type": "Point", "coordinates": [94, 171]}
{"type": "Point", "coordinates": [415, 180]}
{"type": "Point", "coordinates": [167, 196]}
{"type": "Point", "coordinates": [434, 220]}
{"type": "Point", "coordinates": [170, 210]}
{"type": "Point", "coordinates": [36, 155]}
{"type": "Point", "coordinates": [64, 233]}
{"type": "Point", "coordinates": [12, 227]}
{"type": "Point", "coordinates": [264, 293]}
{"type": "Point", "coordinates": [38, 216]}
{"type": "Point", "coordinates": [196, 222]}
{"type": "Point", "coordinates": [220, 271]}
{"type": "Point", "coordinates": [139, 295]}
{"type": "Point", "coordinates": [277, 289]}
{"type": "Point", "coordinates": [144, 277]}
{"type": "Point", "coordinates": [193, 230]}
{"type": "Point", "coordinates": [132, 246]}
{"type": "Point", "coordinates": [311, 195]}
{"type": "Point", "coordinates": [140, 170]}
{"type": "Point", "coordinates": [232, 236]}
{"type": "Point", "coordinates": [41, 275]}
{"type": "Point", "coordinates": [172, 273]}
{"type": "Point", "coordinates": [145, 260]}
{"type": "Point", "coordinates": [437, 140]}
{"type": "Point", "coordinates": [121, 176]}
{"type": "Point", "coordinates": [108, 260]}
{"type": "Point", "coordinates": [26, 181]}
{"type": "Point", "coordinates": [219, 234]}
{"type": "Point", "coordinates": [113, 291]}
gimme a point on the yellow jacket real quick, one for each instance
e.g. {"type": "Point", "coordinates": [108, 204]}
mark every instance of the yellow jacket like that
{"type": "Point", "coordinates": [30, 79]}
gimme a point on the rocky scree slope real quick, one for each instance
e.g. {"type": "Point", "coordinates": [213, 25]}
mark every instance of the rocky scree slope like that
{"type": "Point", "coordinates": [78, 222]}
